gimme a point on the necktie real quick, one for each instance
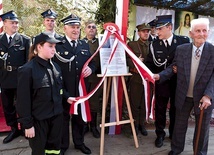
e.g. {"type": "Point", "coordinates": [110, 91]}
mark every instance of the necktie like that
{"type": "Point", "coordinates": [197, 53]}
{"type": "Point", "coordinates": [10, 39]}
{"type": "Point", "coordinates": [167, 45]}
{"type": "Point", "coordinates": [73, 43]}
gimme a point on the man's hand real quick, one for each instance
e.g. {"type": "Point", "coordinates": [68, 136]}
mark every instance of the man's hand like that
{"type": "Point", "coordinates": [205, 102]}
{"type": "Point", "coordinates": [70, 100]}
{"type": "Point", "coordinates": [174, 68]}
{"type": "Point", "coordinates": [156, 77]}
{"type": "Point", "coordinates": [86, 72]}
{"type": "Point", "coordinates": [141, 58]}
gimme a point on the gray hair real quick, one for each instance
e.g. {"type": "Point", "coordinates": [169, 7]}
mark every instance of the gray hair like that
{"type": "Point", "coordinates": [199, 21]}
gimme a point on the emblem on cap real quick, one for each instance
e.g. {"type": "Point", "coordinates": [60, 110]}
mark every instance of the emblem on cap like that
{"type": "Point", "coordinates": [49, 12]}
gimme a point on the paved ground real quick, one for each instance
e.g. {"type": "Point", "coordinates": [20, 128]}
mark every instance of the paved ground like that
{"type": "Point", "coordinates": [122, 144]}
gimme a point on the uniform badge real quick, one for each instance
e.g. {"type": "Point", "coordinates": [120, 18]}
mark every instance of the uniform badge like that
{"type": "Point", "coordinates": [175, 41]}
{"type": "Point", "coordinates": [2, 53]}
{"type": "Point", "coordinates": [66, 52]}
{"type": "Point", "coordinates": [82, 52]}
{"type": "Point", "coordinates": [49, 12]}
{"type": "Point", "coordinates": [159, 59]}
{"type": "Point", "coordinates": [63, 41]}
{"type": "Point", "coordinates": [161, 43]}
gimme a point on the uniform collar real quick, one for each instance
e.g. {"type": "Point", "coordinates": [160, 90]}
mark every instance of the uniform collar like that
{"type": "Point", "coordinates": [169, 40]}
{"type": "Point", "coordinates": [200, 48]}
{"type": "Point", "coordinates": [10, 35]}
{"type": "Point", "coordinates": [43, 62]}
{"type": "Point", "coordinates": [92, 41]}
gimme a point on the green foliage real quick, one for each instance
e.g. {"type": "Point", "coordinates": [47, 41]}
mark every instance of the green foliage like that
{"type": "Point", "coordinates": [106, 11]}
{"type": "Point", "coordinates": [31, 21]}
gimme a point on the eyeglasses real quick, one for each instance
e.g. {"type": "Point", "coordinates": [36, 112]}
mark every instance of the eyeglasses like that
{"type": "Point", "coordinates": [89, 27]}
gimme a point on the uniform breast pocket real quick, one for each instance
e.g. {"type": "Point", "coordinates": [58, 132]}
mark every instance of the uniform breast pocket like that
{"type": "Point", "coordinates": [19, 48]}
{"type": "Point", "coordinates": [159, 56]}
{"type": "Point", "coordinates": [85, 53]}
{"type": "Point", "coordinates": [41, 82]}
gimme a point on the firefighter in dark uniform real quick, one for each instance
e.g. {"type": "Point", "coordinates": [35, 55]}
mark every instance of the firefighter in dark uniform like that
{"type": "Point", "coordinates": [153, 34]}
{"type": "Point", "coordinates": [161, 54]}
{"type": "Point", "coordinates": [137, 100]}
{"type": "Point", "coordinates": [91, 32]}
{"type": "Point", "coordinates": [39, 98]}
{"type": "Point", "coordinates": [71, 55]}
{"type": "Point", "coordinates": [14, 49]}
{"type": "Point", "coordinates": [49, 22]}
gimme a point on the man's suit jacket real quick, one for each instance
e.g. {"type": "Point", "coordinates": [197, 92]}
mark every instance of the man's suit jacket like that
{"type": "Point", "coordinates": [204, 80]}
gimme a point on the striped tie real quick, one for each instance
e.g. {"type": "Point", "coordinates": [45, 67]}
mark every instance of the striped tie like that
{"type": "Point", "coordinates": [197, 53]}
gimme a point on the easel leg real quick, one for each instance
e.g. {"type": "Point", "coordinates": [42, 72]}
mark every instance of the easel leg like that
{"type": "Point", "coordinates": [103, 117]}
{"type": "Point", "coordinates": [130, 112]}
{"type": "Point", "coordinates": [108, 90]}
{"type": "Point", "coordinates": [116, 100]}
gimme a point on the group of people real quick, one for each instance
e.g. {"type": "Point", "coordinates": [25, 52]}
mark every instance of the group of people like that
{"type": "Point", "coordinates": [43, 79]}
{"type": "Point", "coordinates": [39, 82]}
{"type": "Point", "coordinates": [183, 78]}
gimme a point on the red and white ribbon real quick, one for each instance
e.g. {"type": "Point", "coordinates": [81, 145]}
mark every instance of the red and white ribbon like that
{"type": "Point", "coordinates": [145, 73]}
{"type": "Point", "coordinates": [1, 12]}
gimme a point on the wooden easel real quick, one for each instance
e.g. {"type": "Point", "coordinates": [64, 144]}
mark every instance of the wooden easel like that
{"type": "Point", "coordinates": [106, 90]}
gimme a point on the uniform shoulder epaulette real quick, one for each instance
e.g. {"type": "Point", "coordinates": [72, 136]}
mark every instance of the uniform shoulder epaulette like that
{"type": "Point", "coordinates": [155, 41]}
{"type": "Point", "coordinates": [58, 36]}
{"type": "Point", "coordinates": [184, 38]}
{"type": "Point", "coordinates": [24, 36]}
{"type": "Point", "coordinates": [132, 42]}
{"type": "Point", "coordinates": [1, 35]}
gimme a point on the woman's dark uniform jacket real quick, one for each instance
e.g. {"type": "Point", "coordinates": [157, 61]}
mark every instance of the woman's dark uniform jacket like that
{"type": "Point", "coordinates": [17, 56]}
{"type": "Point", "coordinates": [41, 102]}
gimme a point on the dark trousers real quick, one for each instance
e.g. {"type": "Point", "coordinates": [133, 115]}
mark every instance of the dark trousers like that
{"type": "Point", "coordinates": [181, 125]}
{"type": "Point", "coordinates": [160, 114]}
{"type": "Point", "coordinates": [77, 127]}
{"type": "Point", "coordinates": [8, 97]}
{"type": "Point", "coordinates": [47, 135]}
{"type": "Point", "coordinates": [137, 102]}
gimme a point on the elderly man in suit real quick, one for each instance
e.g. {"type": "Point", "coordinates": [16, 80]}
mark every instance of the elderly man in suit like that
{"type": "Point", "coordinates": [195, 86]}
